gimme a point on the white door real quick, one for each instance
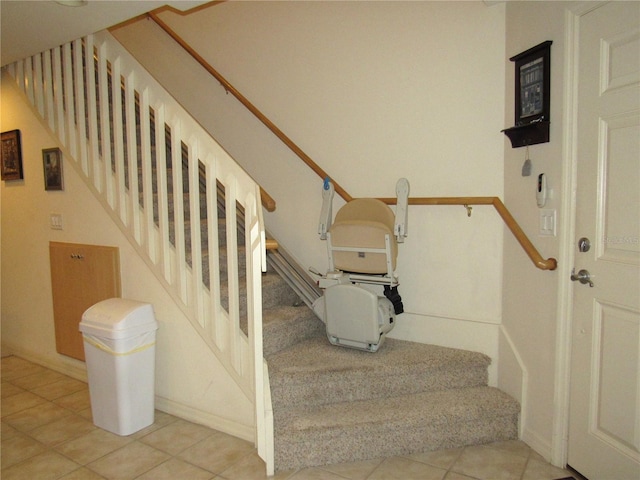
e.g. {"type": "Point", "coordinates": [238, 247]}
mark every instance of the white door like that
{"type": "Point", "coordinates": [604, 427]}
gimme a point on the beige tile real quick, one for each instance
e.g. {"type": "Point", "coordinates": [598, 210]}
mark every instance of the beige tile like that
{"type": "Point", "coordinates": [19, 402]}
{"type": "Point", "coordinates": [537, 470]}
{"type": "Point", "coordinates": [92, 446]}
{"type": "Point", "coordinates": [16, 367]}
{"type": "Point", "coordinates": [18, 448]}
{"type": "Point", "coordinates": [401, 468]}
{"type": "Point", "coordinates": [251, 467]}
{"type": "Point", "coordinates": [37, 416]}
{"type": "Point", "coordinates": [45, 466]}
{"type": "Point", "coordinates": [457, 476]}
{"type": "Point", "coordinates": [517, 447]}
{"type": "Point", "coordinates": [128, 462]}
{"type": "Point", "coordinates": [488, 463]}
{"type": "Point", "coordinates": [61, 388]}
{"type": "Point", "coordinates": [174, 469]}
{"type": "Point", "coordinates": [63, 430]}
{"type": "Point", "coordinates": [441, 458]}
{"type": "Point", "coordinates": [315, 474]}
{"type": "Point", "coordinates": [7, 389]}
{"type": "Point", "coordinates": [39, 379]}
{"type": "Point", "coordinates": [77, 401]}
{"type": "Point", "coordinates": [217, 452]}
{"type": "Point", "coordinates": [160, 419]}
{"type": "Point", "coordinates": [354, 470]}
{"type": "Point", "coordinates": [536, 456]}
{"type": "Point", "coordinates": [177, 436]}
{"type": "Point", "coordinates": [7, 431]}
{"type": "Point", "coordinates": [82, 474]}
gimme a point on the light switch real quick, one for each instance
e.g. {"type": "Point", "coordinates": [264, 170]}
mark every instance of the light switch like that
{"type": "Point", "coordinates": [56, 221]}
{"type": "Point", "coordinates": [547, 222]}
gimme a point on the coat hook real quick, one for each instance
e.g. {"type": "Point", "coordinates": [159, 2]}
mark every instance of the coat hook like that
{"type": "Point", "coordinates": [469, 208]}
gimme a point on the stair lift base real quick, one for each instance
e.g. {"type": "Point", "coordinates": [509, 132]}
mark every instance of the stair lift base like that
{"type": "Point", "coordinates": [355, 317]}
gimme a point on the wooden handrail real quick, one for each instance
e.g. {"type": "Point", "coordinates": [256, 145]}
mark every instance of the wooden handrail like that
{"type": "Point", "coordinates": [521, 237]}
{"type": "Point", "coordinates": [271, 244]}
{"type": "Point", "coordinates": [268, 202]}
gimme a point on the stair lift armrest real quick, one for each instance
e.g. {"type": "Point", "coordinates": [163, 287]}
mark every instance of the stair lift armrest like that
{"type": "Point", "coordinates": [400, 229]}
{"type": "Point", "coordinates": [326, 213]}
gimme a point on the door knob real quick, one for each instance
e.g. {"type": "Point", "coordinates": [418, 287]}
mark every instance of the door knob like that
{"type": "Point", "coordinates": [583, 276]}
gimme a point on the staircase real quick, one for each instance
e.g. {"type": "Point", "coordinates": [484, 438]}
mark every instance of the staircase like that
{"type": "Point", "coordinates": [334, 405]}
{"type": "Point", "coordinates": [329, 404]}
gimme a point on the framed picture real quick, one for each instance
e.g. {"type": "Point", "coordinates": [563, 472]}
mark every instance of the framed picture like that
{"type": "Point", "coordinates": [52, 163]}
{"type": "Point", "coordinates": [11, 156]}
{"type": "Point", "coordinates": [533, 80]}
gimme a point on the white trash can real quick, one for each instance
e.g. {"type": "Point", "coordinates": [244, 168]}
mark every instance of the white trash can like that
{"type": "Point", "coordinates": [119, 345]}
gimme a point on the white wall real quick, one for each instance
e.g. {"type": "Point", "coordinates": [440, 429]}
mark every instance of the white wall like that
{"type": "Point", "coordinates": [530, 299]}
{"type": "Point", "coordinates": [372, 91]}
{"type": "Point", "coordinates": [189, 380]}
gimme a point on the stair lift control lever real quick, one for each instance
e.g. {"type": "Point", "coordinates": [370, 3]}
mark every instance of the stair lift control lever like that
{"type": "Point", "coordinates": [325, 214]}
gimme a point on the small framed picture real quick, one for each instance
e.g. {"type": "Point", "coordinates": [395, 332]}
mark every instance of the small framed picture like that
{"type": "Point", "coordinates": [11, 156]}
{"type": "Point", "coordinates": [533, 79]}
{"type": "Point", "coordinates": [52, 163]}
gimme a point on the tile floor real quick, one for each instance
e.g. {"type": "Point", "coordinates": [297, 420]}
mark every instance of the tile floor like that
{"type": "Point", "coordinates": [47, 433]}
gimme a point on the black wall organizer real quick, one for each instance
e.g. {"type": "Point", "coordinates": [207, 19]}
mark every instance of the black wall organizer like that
{"type": "Point", "coordinates": [532, 96]}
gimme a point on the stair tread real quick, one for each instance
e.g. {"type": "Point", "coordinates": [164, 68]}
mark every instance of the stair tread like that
{"type": "Point", "coordinates": [317, 356]}
{"type": "Point", "coordinates": [426, 408]}
{"type": "Point", "coordinates": [285, 325]}
{"type": "Point", "coordinates": [286, 314]}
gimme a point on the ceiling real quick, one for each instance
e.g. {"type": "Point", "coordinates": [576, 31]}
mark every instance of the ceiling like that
{"type": "Point", "coordinates": [32, 26]}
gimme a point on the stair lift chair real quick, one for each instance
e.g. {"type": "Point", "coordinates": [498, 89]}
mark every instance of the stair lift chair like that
{"type": "Point", "coordinates": [362, 244]}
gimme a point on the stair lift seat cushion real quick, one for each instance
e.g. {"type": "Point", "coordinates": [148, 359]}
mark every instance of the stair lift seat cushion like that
{"type": "Point", "coordinates": [363, 222]}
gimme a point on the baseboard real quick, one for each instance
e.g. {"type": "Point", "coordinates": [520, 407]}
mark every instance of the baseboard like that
{"type": "Point", "coordinates": [61, 364]}
{"type": "Point", "coordinates": [514, 376]}
{"type": "Point", "coordinates": [537, 443]}
{"type": "Point", "coordinates": [205, 418]}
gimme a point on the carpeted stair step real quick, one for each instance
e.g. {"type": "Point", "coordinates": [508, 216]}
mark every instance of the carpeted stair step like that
{"type": "Point", "coordinates": [222, 233]}
{"type": "Point", "coordinates": [242, 261]}
{"type": "Point", "coordinates": [284, 326]}
{"type": "Point", "coordinates": [204, 234]}
{"type": "Point", "coordinates": [275, 292]}
{"type": "Point", "coordinates": [171, 208]}
{"type": "Point", "coordinates": [223, 265]}
{"type": "Point", "coordinates": [402, 425]}
{"type": "Point", "coordinates": [313, 372]}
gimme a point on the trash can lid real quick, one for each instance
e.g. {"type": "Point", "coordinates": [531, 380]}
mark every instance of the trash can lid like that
{"type": "Point", "coordinates": [118, 318]}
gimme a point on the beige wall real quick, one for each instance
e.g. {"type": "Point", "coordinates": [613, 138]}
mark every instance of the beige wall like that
{"type": "Point", "coordinates": [189, 380]}
{"type": "Point", "coordinates": [530, 296]}
{"type": "Point", "coordinates": [372, 91]}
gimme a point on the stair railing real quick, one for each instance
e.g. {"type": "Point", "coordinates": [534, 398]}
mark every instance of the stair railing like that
{"type": "Point", "coordinates": [142, 155]}
{"type": "Point", "coordinates": [521, 237]}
